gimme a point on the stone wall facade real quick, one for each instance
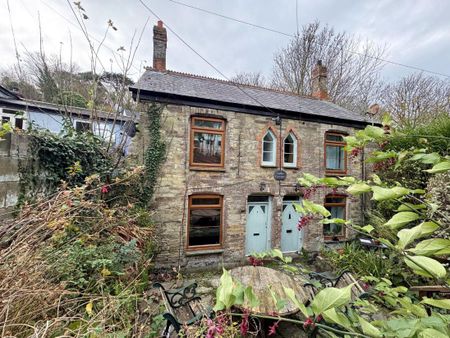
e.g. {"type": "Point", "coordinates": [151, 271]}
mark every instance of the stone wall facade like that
{"type": "Point", "coordinates": [242, 176]}
{"type": "Point", "coordinates": [12, 148]}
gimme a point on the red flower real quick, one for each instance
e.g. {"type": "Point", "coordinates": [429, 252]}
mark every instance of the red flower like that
{"type": "Point", "coordinates": [273, 328]}
{"type": "Point", "coordinates": [308, 322]}
{"type": "Point", "coordinates": [303, 221]}
{"type": "Point", "coordinates": [244, 324]}
{"type": "Point", "coordinates": [255, 261]}
{"type": "Point", "coordinates": [105, 189]}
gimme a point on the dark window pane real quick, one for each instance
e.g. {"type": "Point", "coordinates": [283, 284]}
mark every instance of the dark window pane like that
{"type": "Point", "coordinates": [334, 229]}
{"type": "Point", "coordinates": [288, 152]}
{"type": "Point", "coordinates": [334, 199]}
{"type": "Point", "coordinates": [335, 138]}
{"type": "Point", "coordinates": [291, 198]}
{"type": "Point", "coordinates": [205, 200]}
{"type": "Point", "coordinates": [82, 126]}
{"type": "Point", "coordinates": [335, 157]}
{"type": "Point", "coordinates": [258, 198]}
{"type": "Point", "coordinates": [207, 148]}
{"type": "Point", "coordinates": [19, 123]}
{"type": "Point", "coordinates": [6, 119]}
{"type": "Point", "coordinates": [204, 227]}
{"type": "Point", "coordinates": [208, 124]}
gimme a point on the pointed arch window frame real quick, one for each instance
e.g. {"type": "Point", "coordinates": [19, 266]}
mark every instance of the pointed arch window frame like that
{"type": "Point", "coordinates": [294, 138]}
{"type": "Point", "coordinates": [273, 162]}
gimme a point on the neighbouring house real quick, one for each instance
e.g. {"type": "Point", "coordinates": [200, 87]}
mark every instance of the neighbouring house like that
{"type": "Point", "coordinates": [22, 113]}
{"type": "Point", "coordinates": [228, 185]}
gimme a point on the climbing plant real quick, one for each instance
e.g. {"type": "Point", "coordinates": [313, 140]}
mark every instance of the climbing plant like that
{"type": "Point", "coordinates": [52, 159]}
{"type": "Point", "coordinates": [155, 153]}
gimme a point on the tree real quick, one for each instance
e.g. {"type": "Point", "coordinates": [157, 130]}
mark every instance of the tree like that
{"type": "Point", "coordinates": [353, 66]}
{"type": "Point", "coordinates": [249, 78]}
{"type": "Point", "coordinates": [415, 99]}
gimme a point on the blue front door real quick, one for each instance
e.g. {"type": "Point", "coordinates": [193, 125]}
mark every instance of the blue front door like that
{"type": "Point", "coordinates": [258, 227]}
{"type": "Point", "coordinates": [291, 237]}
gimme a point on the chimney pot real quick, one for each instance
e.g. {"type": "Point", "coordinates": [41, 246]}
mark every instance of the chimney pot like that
{"type": "Point", "coordinates": [159, 46]}
{"type": "Point", "coordinates": [319, 81]}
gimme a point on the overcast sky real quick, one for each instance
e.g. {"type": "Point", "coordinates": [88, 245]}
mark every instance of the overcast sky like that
{"type": "Point", "coordinates": [417, 32]}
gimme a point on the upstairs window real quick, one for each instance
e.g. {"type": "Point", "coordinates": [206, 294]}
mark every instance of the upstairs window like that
{"type": "Point", "coordinates": [335, 204]}
{"type": "Point", "coordinates": [207, 142]}
{"type": "Point", "coordinates": [290, 151]}
{"type": "Point", "coordinates": [335, 155]}
{"type": "Point", "coordinates": [269, 146]}
{"type": "Point", "coordinates": [205, 222]}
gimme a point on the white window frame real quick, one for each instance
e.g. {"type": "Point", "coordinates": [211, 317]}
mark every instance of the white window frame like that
{"type": "Point", "coordinates": [274, 150]}
{"type": "Point", "coordinates": [295, 142]}
{"type": "Point", "coordinates": [13, 117]}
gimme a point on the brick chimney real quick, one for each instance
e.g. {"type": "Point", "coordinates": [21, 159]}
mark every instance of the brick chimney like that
{"type": "Point", "coordinates": [159, 47]}
{"type": "Point", "coordinates": [319, 81]}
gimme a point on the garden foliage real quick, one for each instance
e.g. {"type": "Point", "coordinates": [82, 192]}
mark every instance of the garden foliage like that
{"type": "Point", "coordinates": [416, 244]}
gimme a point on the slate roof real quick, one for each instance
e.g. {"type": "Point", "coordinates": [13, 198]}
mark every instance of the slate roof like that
{"type": "Point", "coordinates": [197, 87]}
{"type": "Point", "coordinates": [9, 99]}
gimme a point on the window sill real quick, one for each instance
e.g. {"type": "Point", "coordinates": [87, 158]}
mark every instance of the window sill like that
{"type": "Point", "coordinates": [331, 173]}
{"type": "Point", "coordinates": [200, 252]}
{"type": "Point", "coordinates": [329, 239]}
{"type": "Point", "coordinates": [219, 169]}
{"type": "Point", "coordinates": [292, 168]}
{"type": "Point", "coordinates": [269, 166]}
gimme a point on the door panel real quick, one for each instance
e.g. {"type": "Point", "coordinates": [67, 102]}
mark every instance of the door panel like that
{"type": "Point", "coordinates": [291, 237]}
{"type": "Point", "coordinates": [257, 228]}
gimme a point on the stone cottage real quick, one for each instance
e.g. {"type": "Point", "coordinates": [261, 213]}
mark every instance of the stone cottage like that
{"type": "Point", "coordinates": [234, 153]}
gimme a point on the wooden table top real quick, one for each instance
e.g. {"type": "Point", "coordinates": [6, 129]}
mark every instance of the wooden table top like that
{"type": "Point", "coordinates": [260, 278]}
{"type": "Point", "coordinates": [437, 288]}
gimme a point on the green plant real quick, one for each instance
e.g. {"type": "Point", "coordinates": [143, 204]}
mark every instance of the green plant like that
{"type": "Point", "coordinates": [155, 153]}
{"type": "Point", "coordinates": [53, 159]}
{"type": "Point", "coordinates": [364, 262]}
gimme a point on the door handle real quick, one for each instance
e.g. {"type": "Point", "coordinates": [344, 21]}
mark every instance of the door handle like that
{"type": "Point", "coordinates": [256, 234]}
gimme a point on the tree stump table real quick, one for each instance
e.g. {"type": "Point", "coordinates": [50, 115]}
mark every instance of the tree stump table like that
{"type": "Point", "coordinates": [261, 278]}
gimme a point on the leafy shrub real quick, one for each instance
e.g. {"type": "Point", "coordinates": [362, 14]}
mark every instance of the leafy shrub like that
{"type": "Point", "coordinates": [363, 262]}
{"type": "Point", "coordinates": [78, 260]}
{"type": "Point", "coordinates": [69, 157]}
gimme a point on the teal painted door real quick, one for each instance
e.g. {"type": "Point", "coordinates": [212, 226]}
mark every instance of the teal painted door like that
{"type": "Point", "coordinates": [257, 228]}
{"type": "Point", "coordinates": [291, 237]}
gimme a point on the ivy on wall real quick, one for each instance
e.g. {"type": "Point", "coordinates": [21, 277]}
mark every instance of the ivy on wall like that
{"type": "Point", "coordinates": [155, 153]}
{"type": "Point", "coordinates": [53, 158]}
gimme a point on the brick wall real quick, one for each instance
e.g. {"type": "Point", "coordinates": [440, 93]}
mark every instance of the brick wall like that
{"type": "Point", "coordinates": [241, 177]}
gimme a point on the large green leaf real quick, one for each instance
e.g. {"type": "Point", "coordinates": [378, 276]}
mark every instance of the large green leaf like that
{"type": "Point", "coordinates": [407, 236]}
{"type": "Point", "coordinates": [402, 218]}
{"type": "Point", "coordinates": [330, 298]}
{"type": "Point", "coordinates": [291, 295]}
{"type": "Point", "coordinates": [374, 132]}
{"type": "Point", "coordinates": [250, 298]}
{"type": "Point", "coordinates": [368, 328]}
{"type": "Point", "coordinates": [431, 333]}
{"type": "Point", "coordinates": [440, 303]}
{"type": "Point", "coordinates": [225, 296]}
{"type": "Point", "coordinates": [433, 246]}
{"type": "Point", "coordinates": [382, 194]}
{"type": "Point", "coordinates": [426, 266]}
{"type": "Point", "coordinates": [335, 317]}
{"type": "Point", "coordinates": [315, 208]}
{"type": "Point", "coordinates": [358, 188]}
{"type": "Point", "coordinates": [440, 167]}
{"type": "Point", "coordinates": [431, 158]}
